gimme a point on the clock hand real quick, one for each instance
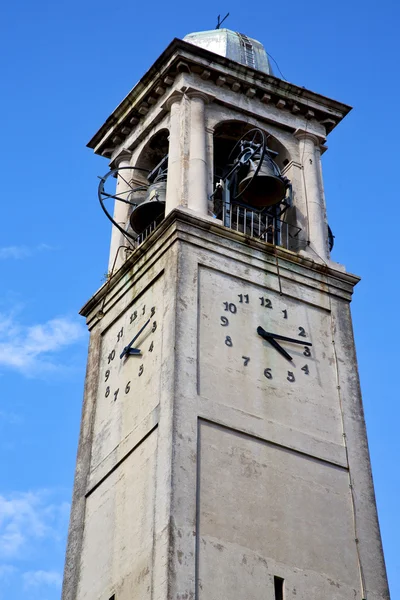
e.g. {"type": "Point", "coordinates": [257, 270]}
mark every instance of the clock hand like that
{"type": "Point", "coordinates": [282, 337]}
{"type": "Point", "coordinates": [268, 337]}
{"type": "Point", "coordinates": [128, 349]}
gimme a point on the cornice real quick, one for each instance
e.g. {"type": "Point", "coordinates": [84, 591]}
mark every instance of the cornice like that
{"type": "Point", "coordinates": [180, 57]}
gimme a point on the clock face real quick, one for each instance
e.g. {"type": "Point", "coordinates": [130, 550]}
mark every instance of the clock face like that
{"type": "Point", "coordinates": [267, 354]}
{"type": "Point", "coordinates": [128, 387]}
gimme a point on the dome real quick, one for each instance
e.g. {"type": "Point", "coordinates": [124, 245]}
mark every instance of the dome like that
{"type": "Point", "coordinates": [233, 45]}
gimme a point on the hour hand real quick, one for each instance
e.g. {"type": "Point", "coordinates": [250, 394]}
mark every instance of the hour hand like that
{"type": "Point", "coordinates": [269, 338]}
{"type": "Point", "coordinates": [128, 349]}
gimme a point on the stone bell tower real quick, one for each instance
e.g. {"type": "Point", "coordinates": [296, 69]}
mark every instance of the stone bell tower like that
{"type": "Point", "coordinates": [223, 452]}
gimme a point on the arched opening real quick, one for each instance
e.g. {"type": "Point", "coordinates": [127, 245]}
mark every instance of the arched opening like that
{"type": "Point", "coordinates": [250, 193]}
{"type": "Point", "coordinates": [227, 134]}
{"type": "Point", "coordinates": [155, 151]}
{"type": "Point", "coordinates": [152, 166]}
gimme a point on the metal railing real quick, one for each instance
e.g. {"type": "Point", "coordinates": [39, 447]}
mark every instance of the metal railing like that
{"type": "Point", "coordinates": [255, 224]}
{"type": "Point", "coordinates": [149, 230]}
{"type": "Point", "coordinates": [261, 226]}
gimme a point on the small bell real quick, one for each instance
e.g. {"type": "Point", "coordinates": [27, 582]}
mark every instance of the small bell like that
{"type": "Point", "coordinates": [264, 189]}
{"type": "Point", "coordinates": [151, 209]}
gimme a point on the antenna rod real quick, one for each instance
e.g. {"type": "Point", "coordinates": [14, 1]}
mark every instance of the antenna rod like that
{"type": "Point", "coordinates": [220, 22]}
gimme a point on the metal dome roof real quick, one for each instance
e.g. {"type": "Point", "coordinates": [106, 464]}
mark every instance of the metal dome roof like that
{"type": "Point", "coordinates": [233, 45]}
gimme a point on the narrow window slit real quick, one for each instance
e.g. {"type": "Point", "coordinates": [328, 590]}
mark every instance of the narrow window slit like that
{"type": "Point", "coordinates": [278, 586]}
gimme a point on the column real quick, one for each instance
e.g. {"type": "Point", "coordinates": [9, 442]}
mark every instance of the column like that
{"type": "Point", "coordinates": [173, 193]}
{"type": "Point", "coordinates": [315, 205]}
{"type": "Point", "coordinates": [197, 196]}
{"type": "Point", "coordinates": [121, 213]}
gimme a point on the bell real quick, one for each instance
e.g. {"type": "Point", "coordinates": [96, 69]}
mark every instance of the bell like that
{"type": "Point", "coordinates": [266, 188]}
{"type": "Point", "coordinates": [151, 209]}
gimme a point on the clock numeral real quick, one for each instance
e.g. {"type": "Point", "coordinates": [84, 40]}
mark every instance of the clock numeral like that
{"type": "Point", "coordinates": [133, 316]}
{"type": "Point", "coordinates": [116, 394]}
{"type": "Point", "coordinates": [107, 375]}
{"type": "Point", "coordinates": [141, 369]}
{"type": "Point", "coordinates": [229, 306]}
{"type": "Point", "coordinates": [267, 373]}
{"type": "Point", "coordinates": [302, 332]}
{"type": "Point", "coordinates": [243, 298]}
{"type": "Point", "coordinates": [307, 351]}
{"type": "Point", "coordinates": [154, 326]}
{"type": "Point", "coordinates": [305, 369]}
{"type": "Point", "coordinates": [290, 376]}
{"type": "Point", "coordinates": [111, 356]}
{"type": "Point", "coordinates": [143, 309]}
{"type": "Point", "coordinates": [153, 311]}
{"type": "Point", "coordinates": [224, 322]}
{"type": "Point", "coordinates": [246, 360]}
{"type": "Point", "coordinates": [151, 347]}
{"type": "Point", "coordinates": [284, 314]}
{"type": "Point", "coordinates": [228, 341]}
{"type": "Point", "coordinates": [107, 391]}
{"type": "Point", "coordinates": [120, 334]}
{"type": "Point", "coordinates": [128, 387]}
{"type": "Point", "coordinates": [265, 302]}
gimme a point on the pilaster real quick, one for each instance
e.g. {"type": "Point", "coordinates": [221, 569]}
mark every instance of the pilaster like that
{"type": "Point", "coordinates": [315, 205]}
{"type": "Point", "coordinates": [121, 212]}
{"type": "Point", "coordinates": [198, 169]}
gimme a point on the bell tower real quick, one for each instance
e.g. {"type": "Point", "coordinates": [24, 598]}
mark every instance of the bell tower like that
{"type": "Point", "coordinates": [223, 452]}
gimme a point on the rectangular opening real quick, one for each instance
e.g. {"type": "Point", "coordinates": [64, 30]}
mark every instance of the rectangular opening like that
{"type": "Point", "coordinates": [112, 597]}
{"type": "Point", "coordinates": [278, 586]}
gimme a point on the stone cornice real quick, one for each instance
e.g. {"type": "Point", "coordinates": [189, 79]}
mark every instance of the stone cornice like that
{"type": "Point", "coordinates": [182, 57]}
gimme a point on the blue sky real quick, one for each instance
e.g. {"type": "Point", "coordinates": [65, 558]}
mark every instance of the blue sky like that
{"type": "Point", "coordinates": [64, 68]}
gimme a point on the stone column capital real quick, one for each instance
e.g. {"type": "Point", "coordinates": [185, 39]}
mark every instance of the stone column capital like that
{"type": "Point", "coordinates": [302, 134]}
{"type": "Point", "coordinates": [174, 97]}
{"type": "Point", "coordinates": [123, 157]}
{"type": "Point", "coordinates": [193, 94]}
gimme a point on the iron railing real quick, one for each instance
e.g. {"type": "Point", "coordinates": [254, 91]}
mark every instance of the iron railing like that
{"type": "Point", "coordinates": [261, 226]}
{"type": "Point", "coordinates": [255, 224]}
{"type": "Point", "coordinates": [149, 230]}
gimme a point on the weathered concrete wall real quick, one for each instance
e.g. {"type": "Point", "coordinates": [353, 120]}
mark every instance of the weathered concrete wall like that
{"type": "Point", "coordinates": [265, 510]}
{"type": "Point", "coordinates": [117, 551]}
{"type": "Point", "coordinates": [208, 476]}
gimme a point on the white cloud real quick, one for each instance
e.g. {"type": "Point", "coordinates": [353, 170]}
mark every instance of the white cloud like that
{"type": "Point", "coordinates": [42, 578]}
{"type": "Point", "coordinates": [19, 252]}
{"type": "Point", "coordinates": [31, 349]}
{"type": "Point", "coordinates": [28, 517]}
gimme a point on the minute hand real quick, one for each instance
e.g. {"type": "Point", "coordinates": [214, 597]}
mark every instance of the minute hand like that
{"type": "Point", "coordinates": [276, 336]}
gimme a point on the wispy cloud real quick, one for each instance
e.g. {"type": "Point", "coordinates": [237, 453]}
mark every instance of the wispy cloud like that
{"type": "Point", "coordinates": [20, 252]}
{"type": "Point", "coordinates": [32, 349]}
{"type": "Point", "coordinates": [42, 578]}
{"type": "Point", "coordinates": [26, 518]}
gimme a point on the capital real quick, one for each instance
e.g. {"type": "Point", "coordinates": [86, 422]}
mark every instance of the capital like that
{"type": "Point", "coordinates": [122, 160]}
{"type": "Point", "coordinates": [302, 134]}
{"type": "Point", "coordinates": [194, 94]}
{"type": "Point", "coordinates": [173, 98]}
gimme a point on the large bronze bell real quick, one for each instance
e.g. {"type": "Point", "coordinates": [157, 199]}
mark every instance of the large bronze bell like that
{"type": "Point", "coordinates": [151, 209]}
{"type": "Point", "coordinates": [266, 188]}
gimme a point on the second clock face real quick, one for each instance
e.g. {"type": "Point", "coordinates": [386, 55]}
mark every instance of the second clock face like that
{"type": "Point", "coordinates": [128, 387]}
{"type": "Point", "coordinates": [286, 373]}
